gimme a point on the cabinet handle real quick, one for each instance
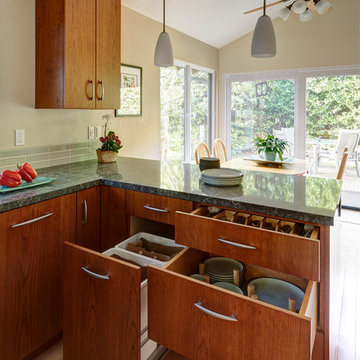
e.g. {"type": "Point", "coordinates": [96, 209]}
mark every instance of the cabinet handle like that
{"type": "Point", "coordinates": [215, 314]}
{"type": "Point", "coordinates": [156, 209]}
{"type": "Point", "coordinates": [98, 276]}
{"type": "Point", "coordinates": [237, 245]}
{"type": "Point", "coordinates": [84, 222]}
{"type": "Point", "coordinates": [102, 91]}
{"type": "Point", "coordinates": [31, 221]}
{"type": "Point", "coordinates": [92, 89]}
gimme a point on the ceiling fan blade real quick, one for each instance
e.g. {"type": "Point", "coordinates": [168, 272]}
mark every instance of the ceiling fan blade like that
{"type": "Point", "coordinates": [267, 6]}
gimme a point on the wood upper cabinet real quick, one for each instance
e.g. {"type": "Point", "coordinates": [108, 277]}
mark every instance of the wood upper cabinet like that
{"type": "Point", "coordinates": [101, 306]}
{"type": "Point", "coordinates": [31, 274]}
{"type": "Point", "coordinates": [88, 218]}
{"type": "Point", "coordinates": [78, 54]}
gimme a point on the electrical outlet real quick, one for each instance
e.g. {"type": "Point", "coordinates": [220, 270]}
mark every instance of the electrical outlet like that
{"type": "Point", "coordinates": [91, 133]}
{"type": "Point", "coordinates": [97, 132]}
{"type": "Point", "coordinates": [19, 137]}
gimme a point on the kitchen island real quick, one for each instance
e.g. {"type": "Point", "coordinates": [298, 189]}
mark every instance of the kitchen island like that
{"type": "Point", "coordinates": [174, 188]}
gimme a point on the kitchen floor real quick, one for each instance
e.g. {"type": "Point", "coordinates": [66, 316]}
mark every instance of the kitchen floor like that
{"type": "Point", "coordinates": [344, 291]}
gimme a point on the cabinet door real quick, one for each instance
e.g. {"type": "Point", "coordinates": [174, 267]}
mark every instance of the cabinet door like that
{"type": "Point", "coordinates": [80, 54]}
{"type": "Point", "coordinates": [114, 227]}
{"type": "Point", "coordinates": [31, 274]}
{"type": "Point", "coordinates": [108, 16]}
{"type": "Point", "coordinates": [88, 218]}
{"type": "Point", "coordinates": [101, 306]}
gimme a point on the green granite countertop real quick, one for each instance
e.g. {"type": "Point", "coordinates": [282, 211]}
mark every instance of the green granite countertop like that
{"type": "Point", "coordinates": [301, 198]}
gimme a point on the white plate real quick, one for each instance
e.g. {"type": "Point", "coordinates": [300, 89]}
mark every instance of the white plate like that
{"type": "Point", "coordinates": [230, 287]}
{"type": "Point", "coordinates": [222, 173]}
{"type": "Point", "coordinates": [222, 266]}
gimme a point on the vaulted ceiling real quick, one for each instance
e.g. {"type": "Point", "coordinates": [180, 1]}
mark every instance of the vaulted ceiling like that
{"type": "Point", "coordinates": [215, 22]}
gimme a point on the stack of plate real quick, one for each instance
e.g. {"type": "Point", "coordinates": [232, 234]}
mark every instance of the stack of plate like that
{"type": "Point", "coordinates": [221, 269]}
{"type": "Point", "coordinates": [222, 177]}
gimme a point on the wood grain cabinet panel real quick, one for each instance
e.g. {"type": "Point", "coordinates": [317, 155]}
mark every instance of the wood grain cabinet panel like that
{"type": "Point", "coordinates": [101, 315]}
{"type": "Point", "coordinates": [289, 254]}
{"type": "Point", "coordinates": [31, 274]}
{"type": "Point", "coordinates": [88, 218]}
{"type": "Point", "coordinates": [78, 54]}
{"type": "Point", "coordinates": [113, 217]}
{"type": "Point", "coordinates": [155, 207]}
{"type": "Point", "coordinates": [246, 328]}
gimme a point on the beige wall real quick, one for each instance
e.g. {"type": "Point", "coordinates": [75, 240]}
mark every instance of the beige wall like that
{"type": "Point", "coordinates": [140, 135]}
{"type": "Point", "coordinates": [328, 40]}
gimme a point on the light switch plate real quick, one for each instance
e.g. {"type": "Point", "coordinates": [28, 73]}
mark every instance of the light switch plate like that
{"type": "Point", "coordinates": [97, 132]}
{"type": "Point", "coordinates": [19, 137]}
{"type": "Point", "coordinates": [91, 133]}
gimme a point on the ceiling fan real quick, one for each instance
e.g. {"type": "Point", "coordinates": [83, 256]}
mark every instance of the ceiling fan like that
{"type": "Point", "coordinates": [300, 7]}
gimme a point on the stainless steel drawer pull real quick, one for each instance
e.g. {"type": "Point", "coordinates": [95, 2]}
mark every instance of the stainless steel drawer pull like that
{"type": "Point", "coordinates": [156, 209]}
{"type": "Point", "coordinates": [92, 90]}
{"type": "Point", "coordinates": [237, 245]}
{"type": "Point", "coordinates": [84, 222]}
{"type": "Point", "coordinates": [103, 277]}
{"type": "Point", "coordinates": [31, 221]}
{"type": "Point", "coordinates": [215, 314]}
{"type": "Point", "coordinates": [102, 91]}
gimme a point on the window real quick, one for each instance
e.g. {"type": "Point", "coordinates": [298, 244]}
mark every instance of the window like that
{"type": "Point", "coordinates": [186, 98]}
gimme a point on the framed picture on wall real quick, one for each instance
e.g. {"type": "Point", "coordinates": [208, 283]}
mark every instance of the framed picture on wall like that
{"type": "Point", "coordinates": [131, 91]}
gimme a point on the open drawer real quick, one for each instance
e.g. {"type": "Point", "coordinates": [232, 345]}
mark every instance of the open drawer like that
{"type": "Point", "coordinates": [287, 253]}
{"type": "Point", "coordinates": [201, 321]}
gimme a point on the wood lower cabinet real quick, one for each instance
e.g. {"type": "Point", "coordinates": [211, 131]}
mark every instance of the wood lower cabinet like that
{"type": "Point", "coordinates": [78, 54]}
{"type": "Point", "coordinates": [114, 227]}
{"type": "Point", "coordinates": [88, 218]}
{"type": "Point", "coordinates": [31, 274]}
{"type": "Point", "coordinates": [201, 321]}
{"type": "Point", "coordinates": [101, 306]}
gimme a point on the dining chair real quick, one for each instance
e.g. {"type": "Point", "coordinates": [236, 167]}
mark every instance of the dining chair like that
{"type": "Point", "coordinates": [202, 150]}
{"type": "Point", "coordinates": [219, 150]}
{"type": "Point", "coordinates": [341, 171]}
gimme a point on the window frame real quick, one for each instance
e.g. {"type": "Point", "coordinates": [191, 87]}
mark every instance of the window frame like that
{"type": "Point", "coordinates": [299, 76]}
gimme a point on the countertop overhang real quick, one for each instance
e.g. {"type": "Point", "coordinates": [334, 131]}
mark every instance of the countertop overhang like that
{"type": "Point", "coordinates": [303, 198]}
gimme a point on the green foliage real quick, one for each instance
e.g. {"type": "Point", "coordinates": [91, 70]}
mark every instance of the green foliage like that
{"type": "Point", "coordinates": [110, 142]}
{"type": "Point", "coordinates": [271, 144]}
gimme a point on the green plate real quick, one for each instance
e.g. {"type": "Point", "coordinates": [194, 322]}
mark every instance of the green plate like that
{"type": "Point", "coordinates": [36, 182]}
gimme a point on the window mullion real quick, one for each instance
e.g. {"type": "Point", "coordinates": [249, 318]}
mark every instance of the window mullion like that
{"type": "Point", "coordinates": [187, 115]}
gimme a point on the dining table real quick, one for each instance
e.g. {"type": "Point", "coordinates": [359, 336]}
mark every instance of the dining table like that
{"type": "Point", "coordinates": [296, 167]}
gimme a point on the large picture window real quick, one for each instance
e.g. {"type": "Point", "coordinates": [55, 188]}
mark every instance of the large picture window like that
{"type": "Point", "coordinates": [186, 98]}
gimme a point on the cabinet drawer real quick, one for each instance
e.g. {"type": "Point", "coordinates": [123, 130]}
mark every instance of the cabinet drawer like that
{"type": "Point", "coordinates": [286, 253]}
{"type": "Point", "coordinates": [155, 207]}
{"type": "Point", "coordinates": [99, 321]}
{"type": "Point", "coordinates": [246, 329]}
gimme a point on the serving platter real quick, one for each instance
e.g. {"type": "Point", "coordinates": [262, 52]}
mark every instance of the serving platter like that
{"type": "Point", "coordinates": [40, 180]}
{"type": "Point", "coordinates": [261, 161]}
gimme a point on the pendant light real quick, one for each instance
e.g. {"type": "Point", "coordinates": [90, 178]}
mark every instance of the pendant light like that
{"type": "Point", "coordinates": [306, 15]}
{"type": "Point", "coordinates": [263, 42]}
{"type": "Point", "coordinates": [299, 7]}
{"type": "Point", "coordinates": [322, 6]}
{"type": "Point", "coordinates": [164, 56]}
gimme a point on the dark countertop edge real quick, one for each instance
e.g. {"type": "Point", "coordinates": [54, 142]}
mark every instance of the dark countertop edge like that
{"type": "Point", "coordinates": [262, 209]}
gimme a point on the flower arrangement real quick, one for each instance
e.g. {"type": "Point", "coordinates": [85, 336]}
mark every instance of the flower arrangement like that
{"type": "Point", "coordinates": [271, 146]}
{"type": "Point", "coordinates": [111, 144]}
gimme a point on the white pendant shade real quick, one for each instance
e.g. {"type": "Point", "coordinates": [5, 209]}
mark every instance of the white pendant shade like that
{"type": "Point", "coordinates": [284, 13]}
{"type": "Point", "coordinates": [306, 16]}
{"type": "Point", "coordinates": [299, 7]}
{"type": "Point", "coordinates": [164, 56]}
{"type": "Point", "coordinates": [263, 42]}
{"type": "Point", "coordinates": [322, 6]}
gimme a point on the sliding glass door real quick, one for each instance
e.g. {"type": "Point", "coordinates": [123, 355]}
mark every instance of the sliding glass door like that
{"type": "Point", "coordinates": [186, 97]}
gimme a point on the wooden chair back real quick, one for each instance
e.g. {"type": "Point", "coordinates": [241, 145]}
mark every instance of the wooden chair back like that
{"type": "Point", "coordinates": [342, 166]}
{"type": "Point", "coordinates": [202, 150]}
{"type": "Point", "coordinates": [219, 150]}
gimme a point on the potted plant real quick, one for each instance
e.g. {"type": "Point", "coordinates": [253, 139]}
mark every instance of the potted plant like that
{"type": "Point", "coordinates": [271, 146]}
{"type": "Point", "coordinates": [111, 145]}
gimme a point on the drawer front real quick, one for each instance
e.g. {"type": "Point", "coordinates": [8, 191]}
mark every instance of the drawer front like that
{"type": "Point", "coordinates": [250, 330]}
{"type": "Point", "coordinates": [99, 321]}
{"type": "Point", "coordinates": [155, 207]}
{"type": "Point", "coordinates": [281, 252]}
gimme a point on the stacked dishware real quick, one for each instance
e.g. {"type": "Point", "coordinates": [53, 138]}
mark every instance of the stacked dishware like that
{"type": "Point", "coordinates": [222, 177]}
{"type": "Point", "coordinates": [209, 163]}
{"type": "Point", "coordinates": [221, 269]}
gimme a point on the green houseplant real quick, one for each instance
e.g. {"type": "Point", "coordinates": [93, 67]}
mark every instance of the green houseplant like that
{"type": "Point", "coordinates": [111, 145]}
{"type": "Point", "coordinates": [271, 146]}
